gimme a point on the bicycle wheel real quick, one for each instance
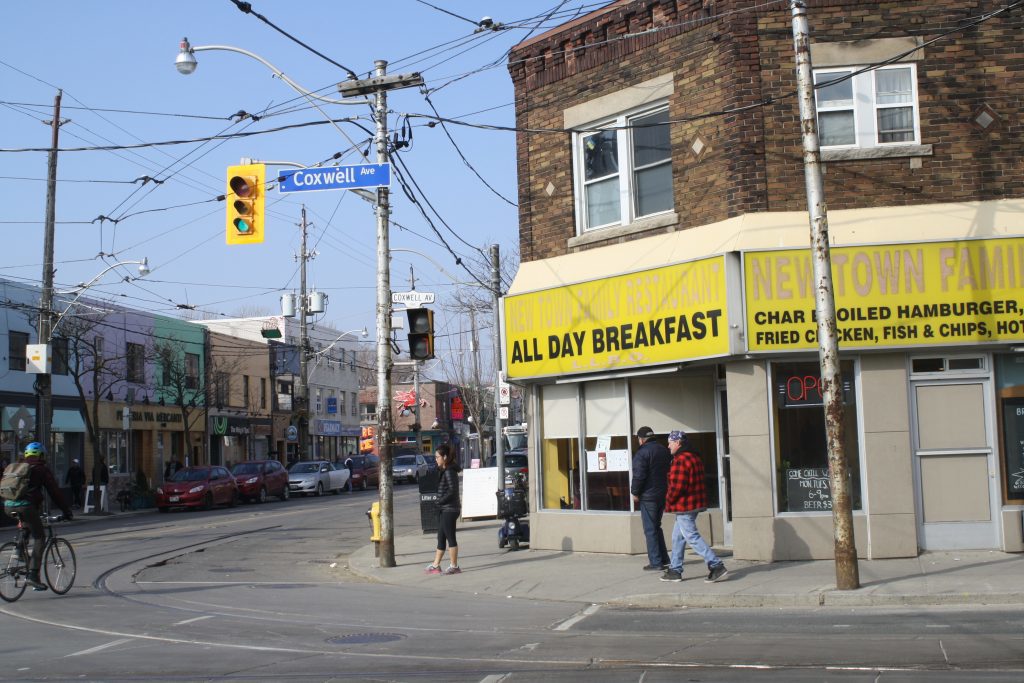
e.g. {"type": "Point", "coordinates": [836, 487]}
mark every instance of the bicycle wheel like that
{"type": "Point", "coordinates": [59, 565]}
{"type": "Point", "coordinates": [13, 568]}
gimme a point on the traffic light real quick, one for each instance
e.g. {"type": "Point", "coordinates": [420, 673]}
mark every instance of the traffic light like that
{"type": "Point", "coordinates": [245, 204]}
{"type": "Point", "coordinates": [421, 333]}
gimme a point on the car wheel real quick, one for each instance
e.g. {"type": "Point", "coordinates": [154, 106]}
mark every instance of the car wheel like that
{"type": "Point", "coordinates": [208, 501]}
{"type": "Point", "coordinates": [261, 497]}
{"type": "Point", "coordinates": [285, 493]}
{"type": "Point", "coordinates": [319, 488]}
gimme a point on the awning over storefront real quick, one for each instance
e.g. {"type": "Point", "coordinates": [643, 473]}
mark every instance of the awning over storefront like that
{"type": "Point", "coordinates": [776, 230]}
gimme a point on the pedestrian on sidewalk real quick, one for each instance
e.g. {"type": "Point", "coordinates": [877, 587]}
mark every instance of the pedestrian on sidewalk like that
{"type": "Point", "coordinates": [650, 481]}
{"type": "Point", "coordinates": [687, 498]}
{"type": "Point", "coordinates": [350, 466]}
{"type": "Point", "coordinates": [450, 505]}
{"type": "Point", "coordinates": [75, 480]}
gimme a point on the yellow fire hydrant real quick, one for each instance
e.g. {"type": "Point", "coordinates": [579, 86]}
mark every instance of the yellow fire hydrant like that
{"type": "Point", "coordinates": [373, 514]}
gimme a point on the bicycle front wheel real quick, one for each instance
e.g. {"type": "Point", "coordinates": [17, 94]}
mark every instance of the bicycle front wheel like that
{"type": "Point", "coordinates": [59, 566]}
{"type": "Point", "coordinates": [13, 569]}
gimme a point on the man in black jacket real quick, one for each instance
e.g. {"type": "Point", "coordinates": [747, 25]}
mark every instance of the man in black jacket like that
{"type": "Point", "coordinates": [30, 506]}
{"type": "Point", "coordinates": [650, 483]}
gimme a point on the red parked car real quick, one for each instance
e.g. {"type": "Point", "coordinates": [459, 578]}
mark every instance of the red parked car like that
{"type": "Point", "coordinates": [197, 487]}
{"type": "Point", "coordinates": [259, 479]}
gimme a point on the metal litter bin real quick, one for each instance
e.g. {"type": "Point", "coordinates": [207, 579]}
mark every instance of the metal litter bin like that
{"type": "Point", "coordinates": [428, 501]}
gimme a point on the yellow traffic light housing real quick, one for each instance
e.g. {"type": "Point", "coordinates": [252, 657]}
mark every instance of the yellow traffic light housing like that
{"type": "Point", "coordinates": [421, 333]}
{"type": "Point", "coordinates": [245, 204]}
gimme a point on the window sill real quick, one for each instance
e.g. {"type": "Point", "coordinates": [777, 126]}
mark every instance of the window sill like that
{"type": "Point", "coordinates": [605, 234]}
{"type": "Point", "coordinates": [861, 153]}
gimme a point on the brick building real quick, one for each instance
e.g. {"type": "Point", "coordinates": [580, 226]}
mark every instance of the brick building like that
{"type": "Point", "coordinates": [666, 276]}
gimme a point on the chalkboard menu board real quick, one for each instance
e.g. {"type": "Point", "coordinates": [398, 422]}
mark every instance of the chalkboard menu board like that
{"type": "Point", "coordinates": [807, 490]}
{"type": "Point", "coordinates": [1013, 447]}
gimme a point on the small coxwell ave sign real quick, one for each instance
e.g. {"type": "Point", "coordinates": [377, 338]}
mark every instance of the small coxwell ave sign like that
{"type": "Point", "coordinates": [334, 178]}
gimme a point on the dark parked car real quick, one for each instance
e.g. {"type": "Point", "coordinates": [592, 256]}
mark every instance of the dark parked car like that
{"type": "Point", "coordinates": [197, 487]}
{"type": "Point", "coordinates": [365, 471]}
{"type": "Point", "coordinates": [259, 479]}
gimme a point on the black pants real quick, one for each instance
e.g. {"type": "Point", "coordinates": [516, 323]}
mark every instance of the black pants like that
{"type": "Point", "coordinates": [446, 529]}
{"type": "Point", "coordinates": [29, 516]}
{"type": "Point", "coordinates": [76, 495]}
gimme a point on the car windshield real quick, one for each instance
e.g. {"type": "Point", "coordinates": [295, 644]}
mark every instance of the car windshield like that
{"type": "Point", "coordinates": [305, 467]}
{"type": "Point", "coordinates": [245, 468]}
{"type": "Point", "coordinates": [515, 441]}
{"type": "Point", "coordinates": [405, 460]}
{"type": "Point", "coordinates": [191, 475]}
{"type": "Point", "coordinates": [511, 460]}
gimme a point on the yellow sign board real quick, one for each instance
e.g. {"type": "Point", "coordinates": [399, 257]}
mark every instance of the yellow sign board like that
{"type": "Point", "coordinates": [673, 313]}
{"type": "Point", "coordinates": [890, 295]}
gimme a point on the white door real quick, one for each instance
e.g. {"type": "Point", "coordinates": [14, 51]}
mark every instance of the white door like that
{"type": "Point", "coordinates": [954, 464]}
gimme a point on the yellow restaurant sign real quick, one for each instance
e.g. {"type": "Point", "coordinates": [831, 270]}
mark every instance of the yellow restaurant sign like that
{"type": "Point", "coordinates": [666, 314]}
{"type": "Point", "coordinates": [890, 295]}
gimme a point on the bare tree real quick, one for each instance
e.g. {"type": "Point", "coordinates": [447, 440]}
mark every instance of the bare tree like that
{"type": "Point", "coordinates": [181, 382]}
{"type": "Point", "coordinates": [96, 372]}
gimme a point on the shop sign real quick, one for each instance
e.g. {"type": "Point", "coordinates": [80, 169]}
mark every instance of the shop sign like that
{"type": "Point", "coordinates": [673, 313]}
{"type": "Point", "coordinates": [890, 295]}
{"type": "Point", "coordinates": [327, 428]}
{"type": "Point", "coordinates": [332, 405]}
{"type": "Point", "coordinates": [458, 408]}
{"type": "Point", "coordinates": [229, 426]}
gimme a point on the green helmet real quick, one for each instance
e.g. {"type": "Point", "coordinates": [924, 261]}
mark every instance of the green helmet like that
{"type": "Point", "coordinates": [33, 450]}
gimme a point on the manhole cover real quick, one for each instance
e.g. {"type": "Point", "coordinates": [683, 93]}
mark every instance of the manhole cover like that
{"type": "Point", "coordinates": [365, 638]}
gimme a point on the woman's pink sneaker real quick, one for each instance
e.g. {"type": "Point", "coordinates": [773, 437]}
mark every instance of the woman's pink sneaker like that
{"type": "Point", "coordinates": [431, 569]}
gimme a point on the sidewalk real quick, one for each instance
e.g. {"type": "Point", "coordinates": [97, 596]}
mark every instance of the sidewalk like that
{"type": "Point", "coordinates": [972, 577]}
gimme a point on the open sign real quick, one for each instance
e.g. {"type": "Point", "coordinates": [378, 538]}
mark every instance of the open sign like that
{"type": "Point", "coordinates": [804, 389]}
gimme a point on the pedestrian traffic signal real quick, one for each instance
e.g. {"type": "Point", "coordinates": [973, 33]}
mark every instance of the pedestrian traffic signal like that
{"type": "Point", "coordinates": [421, 333]}
{"type": "Point", "coordinates": [245, 204]}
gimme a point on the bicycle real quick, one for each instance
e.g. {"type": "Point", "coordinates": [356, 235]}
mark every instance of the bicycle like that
{"type": "Point", "coordinates": [59, 564]}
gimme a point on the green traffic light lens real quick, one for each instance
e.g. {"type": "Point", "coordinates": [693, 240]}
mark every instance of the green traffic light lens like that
{"type": "Point", "coordinates": [243, 226]}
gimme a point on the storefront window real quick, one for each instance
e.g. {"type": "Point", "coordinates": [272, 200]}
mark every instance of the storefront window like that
{"type": "Point", "coordinates": [114, 447]}
{"type": "Point", "coordinates": [801, 457]}
{"type": "Point", "coordinates": [1010, 387]}
{"type": "Point", "coordinates": [607, 446]}
{"type": "Point", "coordinates": [559, 458]}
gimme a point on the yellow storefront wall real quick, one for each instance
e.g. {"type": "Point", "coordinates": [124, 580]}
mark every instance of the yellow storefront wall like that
{"type": "Point", "coordinates": [676, 312]}
{"type": "Point", "coordinates": [890, 295]}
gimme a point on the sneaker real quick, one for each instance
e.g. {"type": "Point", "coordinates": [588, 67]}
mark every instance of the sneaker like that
{"type": "Point", "coordinates": [717, 573]}
{"type": "Point", "coordinates": [432, 569]}
{"type": "Point", "coordinates": [452, 570]}
{"type": "Point", "coordinates": [671, 575]}
{"type": "Point", "coordinates": [655, 567]}
{"type": "Point", "coordinates": [33, 580]}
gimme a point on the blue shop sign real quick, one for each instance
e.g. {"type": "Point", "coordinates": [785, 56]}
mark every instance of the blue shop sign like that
{"type": "Point", "coordinates": [332, 405]}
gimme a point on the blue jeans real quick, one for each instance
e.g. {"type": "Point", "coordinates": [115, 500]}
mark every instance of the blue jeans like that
{"type": "Point", "coordinates": [685, 531]}
{"type": "Point", "coordinates": [650, 514]}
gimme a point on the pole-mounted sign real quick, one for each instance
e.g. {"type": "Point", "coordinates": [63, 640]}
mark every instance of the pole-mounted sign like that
{"type": "Point", "coordinates": [334, 178]}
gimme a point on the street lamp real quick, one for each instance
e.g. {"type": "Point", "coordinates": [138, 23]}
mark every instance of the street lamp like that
{"type": "Point", "coordinates": [186, 64]}
{"type": "Point", "coordinates": [323, 352]}
{"type": "Point", "coordinates": [81, 288]}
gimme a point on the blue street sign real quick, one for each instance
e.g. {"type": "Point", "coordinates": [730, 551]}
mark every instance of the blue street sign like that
{"type": "Point", "coordinates": [334, 178]}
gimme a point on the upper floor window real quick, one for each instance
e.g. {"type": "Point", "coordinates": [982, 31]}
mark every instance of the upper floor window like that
{"type": "Point", "coordinates": [16, 343]}
{"type": "Point", "coordinates": [135, 355]}
{"type": "Point", "coordinates": [60, 355]}
{"type": "Point", "coordinates": [191, 370]}
{"type": "Point", "coordinates": [870, 109]}
{"type": "Point", "coordinates": [625, 171]}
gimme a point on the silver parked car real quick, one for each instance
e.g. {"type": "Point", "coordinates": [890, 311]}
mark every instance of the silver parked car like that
{"type": "Point", "coordinates": [316, 477]}
{"type": "Point", "coordinates": [409, 467]}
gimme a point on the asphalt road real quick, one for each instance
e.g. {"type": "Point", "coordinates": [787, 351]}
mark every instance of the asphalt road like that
{"type": "Point", "coordinates": [262, 592]}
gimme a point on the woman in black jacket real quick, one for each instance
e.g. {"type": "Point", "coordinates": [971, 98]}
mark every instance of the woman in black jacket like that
{"type": "Point", "coordinates": [451, 507]}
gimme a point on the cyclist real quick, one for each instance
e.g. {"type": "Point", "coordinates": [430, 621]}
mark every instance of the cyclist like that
{"type": "Point", "coordinates": [30, 508]}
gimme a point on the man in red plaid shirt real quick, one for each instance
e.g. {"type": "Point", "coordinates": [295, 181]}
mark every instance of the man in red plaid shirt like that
{"type": "Point", "coordinates": [687, 497]}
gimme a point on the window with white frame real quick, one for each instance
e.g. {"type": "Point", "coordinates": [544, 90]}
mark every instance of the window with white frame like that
{"type": "Point", "coordinates": [871, 109]}
{"type": "Point", "coordinates": [624, 169]}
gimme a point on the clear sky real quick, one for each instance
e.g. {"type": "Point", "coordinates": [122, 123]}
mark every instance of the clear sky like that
{"type": "Point", "coordinates": [114, 61]}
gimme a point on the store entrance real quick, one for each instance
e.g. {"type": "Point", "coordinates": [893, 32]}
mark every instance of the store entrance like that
{"type": "Point", "coordinates": [954, 463]}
